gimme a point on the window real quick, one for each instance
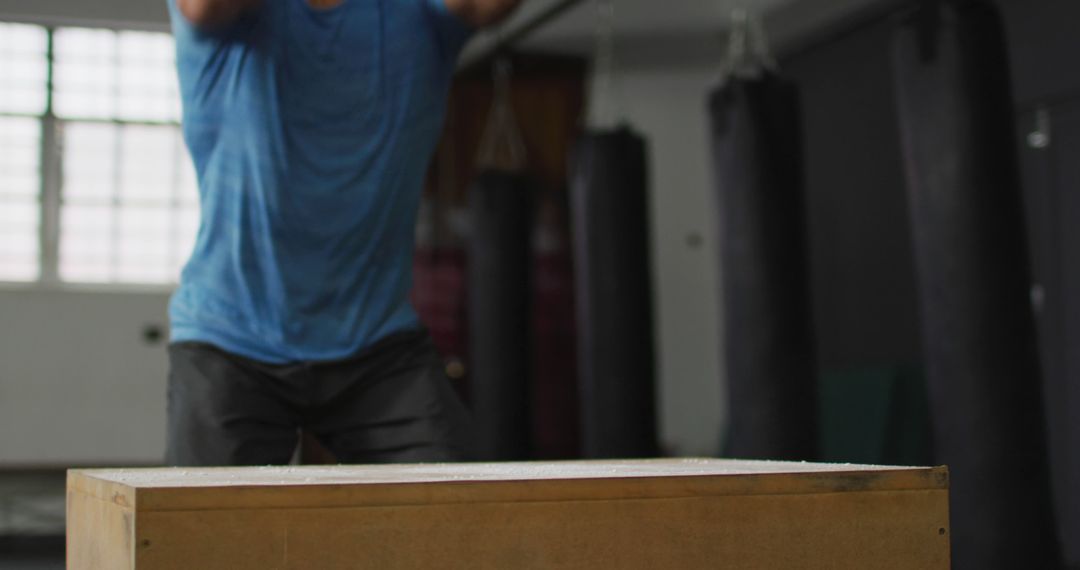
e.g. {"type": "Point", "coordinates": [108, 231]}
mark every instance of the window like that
{"type": "Point", "coordinates": [123, 195]}
{"type": "Point", "coordinates": [23, 72]}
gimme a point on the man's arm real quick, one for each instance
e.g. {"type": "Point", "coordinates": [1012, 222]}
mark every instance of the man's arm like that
{"type": "Point", "coordinates": [210, 14]}
{"type": "Point", "coordinates": [481, 13]}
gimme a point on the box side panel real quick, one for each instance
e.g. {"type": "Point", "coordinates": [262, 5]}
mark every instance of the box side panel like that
{"type": "Point", "coordinates": [99, 533]}
{"type": "Point", "coordinates": [871, 529]}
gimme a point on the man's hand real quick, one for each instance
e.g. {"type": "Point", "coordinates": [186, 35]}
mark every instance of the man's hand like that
{"type": "Point", "coordinates": [481, 13]}
{"type": "Point", "coordinates": [210, 14]}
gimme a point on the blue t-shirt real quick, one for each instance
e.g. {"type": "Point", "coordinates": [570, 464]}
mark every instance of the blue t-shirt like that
{"type": "Point", "coordinates": [311, 131]}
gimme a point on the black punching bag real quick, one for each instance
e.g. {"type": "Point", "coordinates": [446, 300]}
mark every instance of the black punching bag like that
{"type": "Point", "coordinates": [500, 301]}
{"type": "Point", "coordinates": [956, 116]}
{"type": "Point", "coordinates": [769, 350]}
{"type": "Point", "coordinates": [613, 281]}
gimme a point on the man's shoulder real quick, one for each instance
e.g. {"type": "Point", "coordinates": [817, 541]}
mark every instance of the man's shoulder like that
{"type": "Point", "coordinates": [244, 31]}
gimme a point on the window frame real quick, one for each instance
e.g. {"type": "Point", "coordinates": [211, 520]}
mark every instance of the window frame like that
{"type": "Point", "coordinates": [51, 165]}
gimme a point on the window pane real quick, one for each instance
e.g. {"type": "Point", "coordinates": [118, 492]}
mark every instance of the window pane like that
{"type": "Point", "coordinates": [149, 160]}
{"type": "Point", "coordinates": [20, 185]}
{"type": "Point", "coordinates": [86, 243]}
{"type": "Point", "coordinates": [84, 73]}
{"type": "Point", "coordinates": [23, 68]}
{"type": "Point", "coordinates": [89, 162]}
{"type": "Point", "coordinates": [130, 210]}
{"type": "Point", "coordinates": [20, 152]}
{"type": "Point", "coordinates": [19, 221]}
{"type": "Point", "coordinates": [145, 245]}
{"type": "Point", "coordinates": [147, 77]}
{"type": "Point", "coordinates": [128, 194]}
{"type": "Point", "coordinates": [101, 74]}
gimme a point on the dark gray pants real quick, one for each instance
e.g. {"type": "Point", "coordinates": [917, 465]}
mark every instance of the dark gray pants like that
{"type": "Point", "coordinates": [391, 403]}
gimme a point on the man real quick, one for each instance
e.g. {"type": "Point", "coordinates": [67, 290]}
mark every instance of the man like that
{"type": "Point", "coordinates": [311, 123]}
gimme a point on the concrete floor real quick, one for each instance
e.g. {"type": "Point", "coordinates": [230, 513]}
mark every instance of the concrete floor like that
{"type": "Point", "coordinates": [32, 519]}
{"type": "Point", "coordinates": [31, 503]}
{"type": "Point", "coordinates": [35, 563]}
{"type": "Point", "coordinates": [31, 552]}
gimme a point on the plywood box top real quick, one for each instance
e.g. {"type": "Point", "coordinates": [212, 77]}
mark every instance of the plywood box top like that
{"type": "Point", "coordinates": [388, 485]}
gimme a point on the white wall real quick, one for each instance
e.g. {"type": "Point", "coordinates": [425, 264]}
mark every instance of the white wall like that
{"type": "Point", "coordinates": [78, 383]}
{"type": "Point", "coordinates": [666, 104]}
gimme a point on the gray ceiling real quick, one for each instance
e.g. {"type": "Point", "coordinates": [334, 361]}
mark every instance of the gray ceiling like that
{"type": "Point", "coordinates": [635, 16]}
{"type": "Point", "coordinates": [645, 17]}
{"type": "Point", "coordinates": [675, 26]}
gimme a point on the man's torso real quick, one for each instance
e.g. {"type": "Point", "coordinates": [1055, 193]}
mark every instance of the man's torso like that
{"type": "Point", "coordinates": [311, 131]}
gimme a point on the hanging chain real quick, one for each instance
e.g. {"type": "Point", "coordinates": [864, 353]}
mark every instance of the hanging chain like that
{"type": "Point", "coordinates": [606, 97]}
{"type": "Point", "coordinates": [502, 145]}
{"type": "Point", "coordinates": [748, 56]}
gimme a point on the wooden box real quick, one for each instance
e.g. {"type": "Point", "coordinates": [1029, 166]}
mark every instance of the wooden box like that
{"type": "Point", "coordinates": [656, 514]}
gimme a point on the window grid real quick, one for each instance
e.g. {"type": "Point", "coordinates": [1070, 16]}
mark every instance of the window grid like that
{"type": "Point", "coordinates": [137, 250]}
{"type": "Point", "coordinates": [140, 225]}
{"type": "Point", "coordinates": [23, 95]}
{"type": "Point", "coordinates": [23, 69]}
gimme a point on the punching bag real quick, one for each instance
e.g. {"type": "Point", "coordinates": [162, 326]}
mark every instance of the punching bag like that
{"type": "Point", "coordinates": [768, 340]}
{"type": "Point", "coordinates": [980, 349]}
{"type": "Point", "coordinates": [613, 282]}
{"type": "Point", "coordinates": [500, 303]}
